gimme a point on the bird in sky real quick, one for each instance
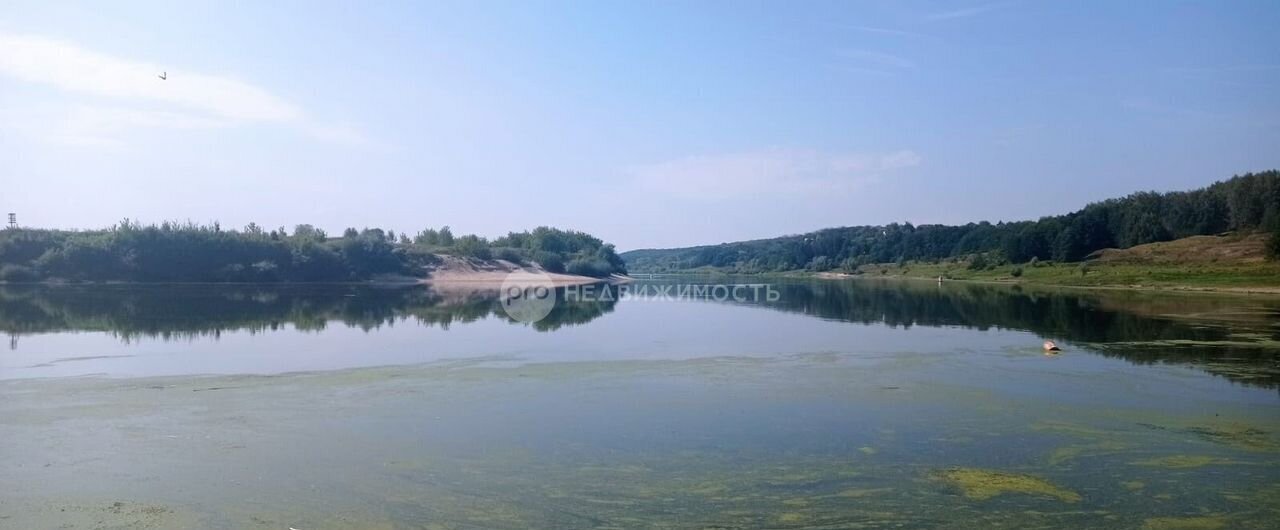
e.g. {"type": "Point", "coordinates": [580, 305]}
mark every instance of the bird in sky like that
{"type": "Point", "coordinates": [163, 76]}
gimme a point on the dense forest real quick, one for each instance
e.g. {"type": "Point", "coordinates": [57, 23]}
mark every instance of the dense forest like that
{"type": "Point", "coordinates": [178, 252]}
{"type": "Point", "coordinates": [1249, 202]}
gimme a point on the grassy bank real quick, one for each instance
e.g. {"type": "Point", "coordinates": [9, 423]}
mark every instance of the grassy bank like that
{"type": "Point", "coordinates": [1235, 262]}
{"type": "Point", "coordinates": [1259, 277]}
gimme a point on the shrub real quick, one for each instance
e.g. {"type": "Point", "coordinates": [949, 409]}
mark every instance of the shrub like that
{"type": "Point", "coordinates": [820, 264]}
{"type": "Point", "coordinates": [367, 255]}
{"type": "Point", "coordinates": [509, 254]}
{"type": "Point", "coordinates": [1016, 272]}
{"type": "Point", "coordinates": [472, 246]}
{"type": "Point", "coordinates": [979, 262]}
{"type": "Point", "coordinates": [593, 267]}
{"type": "Point", "coordinates": [550, 261]}
{"type": "Point", "coordinates": [311, 261]}
{"type": "Point", "coordinates": [17, 274]}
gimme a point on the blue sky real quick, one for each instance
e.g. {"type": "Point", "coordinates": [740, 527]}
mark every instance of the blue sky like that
{"type": "Point", "coordinates": [649, 124]}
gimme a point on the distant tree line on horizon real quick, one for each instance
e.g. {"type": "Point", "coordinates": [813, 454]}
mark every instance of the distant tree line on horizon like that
{"type": "Point", "coordinates": [1249, 202]}
{"type": "Point", "coordinates": [189, 252]}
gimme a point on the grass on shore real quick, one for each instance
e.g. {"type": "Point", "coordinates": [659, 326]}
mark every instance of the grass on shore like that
{"type": "Point", "coordinates": [1263, 276]}
{"type": "Point", "coordinates": [1225, 262]}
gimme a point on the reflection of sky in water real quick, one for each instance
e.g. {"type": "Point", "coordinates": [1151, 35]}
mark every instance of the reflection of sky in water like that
{"type": "Point", "coordinates": [995, 358]}
{"type": "Point", "coordinates": [640, 331]}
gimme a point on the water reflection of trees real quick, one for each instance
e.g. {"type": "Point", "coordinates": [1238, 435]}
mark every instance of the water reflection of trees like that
{"type": "Point", "coordinates": [184, 312]}
{"type": "Point", "coordinates": [1236, 337]}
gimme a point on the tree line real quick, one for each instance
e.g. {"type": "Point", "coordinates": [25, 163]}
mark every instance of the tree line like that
{"type": "Point", "coordinates": [1249, 202]}
{"type": "Point", "coordinates": [189, 252]}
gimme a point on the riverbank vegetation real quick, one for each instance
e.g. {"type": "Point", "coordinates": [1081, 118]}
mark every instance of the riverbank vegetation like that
{"type": "Point", "coordinates": [1231, 262]}
{"type": "Point", "coordinates": [1244, 205]}
{"type": "Point", "coordinates": [188, 252]}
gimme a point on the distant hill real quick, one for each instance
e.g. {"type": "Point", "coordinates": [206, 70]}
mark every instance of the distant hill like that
{"type": "Point", "coordinates": [1247, 203]}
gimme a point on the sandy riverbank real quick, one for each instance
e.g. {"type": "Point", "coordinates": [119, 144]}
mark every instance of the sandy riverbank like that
{"type": "Point", "coordinates": [463, 273]}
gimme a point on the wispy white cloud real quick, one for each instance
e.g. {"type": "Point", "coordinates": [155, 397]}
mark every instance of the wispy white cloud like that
{"type": "Point", "coordinates": [791, 171]}
{"type": "Point", "coordinates": [102, 126]}
{"type": "Point", "coordinates": [74, 69]}
{"type": "Point", "coordinates": [186, 100]}
{"type": "Point", "coordinates": [966, 12]}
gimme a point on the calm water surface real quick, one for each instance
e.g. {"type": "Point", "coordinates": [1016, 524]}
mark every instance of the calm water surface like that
{"type": "Point", "coordinates": [855, 404]}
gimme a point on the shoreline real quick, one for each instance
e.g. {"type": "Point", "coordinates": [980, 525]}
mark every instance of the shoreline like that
{"type": "Point", "coordinates": [455, 272]}
{"type": "Point", "coordinates": [451, 273]}
{"type": "Point", "coordinates": [1246, 290]}
{"type": "Point", "coordinates": [1171, 288]}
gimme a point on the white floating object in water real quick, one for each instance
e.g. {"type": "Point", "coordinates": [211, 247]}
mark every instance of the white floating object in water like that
{"type": "Point", "coordinates": [1050, 346]}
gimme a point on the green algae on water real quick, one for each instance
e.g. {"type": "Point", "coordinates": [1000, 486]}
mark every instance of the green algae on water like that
{"type": "Point", "coordinates": [1068, 428]}
{"type": "Point", "coordinates": [982, 484]}
{"type": "Point", "coordinates": [1234, 434]}
{"type": "Point", "coordinates": [1183, 461]}
{"type": "Point", "coordinates": [792, 518]}
{"type": "Point", "coordinates": [1065, 454]}
{"type": "Point", "coordinates": [857, 493]}
{"type": "Point", "coordinates": [1212, 522]}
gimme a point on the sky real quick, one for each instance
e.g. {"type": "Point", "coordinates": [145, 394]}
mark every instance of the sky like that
{"type": "Point", "coordinates": [647, 124]}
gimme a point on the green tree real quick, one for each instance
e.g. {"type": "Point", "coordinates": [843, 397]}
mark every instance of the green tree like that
{"type": "Point", "coordinates": [472, 246]}
{"type": "Point", "coordinates": [305, 232]}
{"type": "Point", "coordinates": [1069, 245]}
{"type": "Point", "coordinates": [550, 261]}
{"type": "Point", "coordinates": [428, 236]}
{"type": "Point", "coordinates": [979, 262]}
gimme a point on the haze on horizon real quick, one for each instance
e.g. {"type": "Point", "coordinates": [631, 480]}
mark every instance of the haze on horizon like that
{"type": "Point", "coordinates": [648, 125]}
